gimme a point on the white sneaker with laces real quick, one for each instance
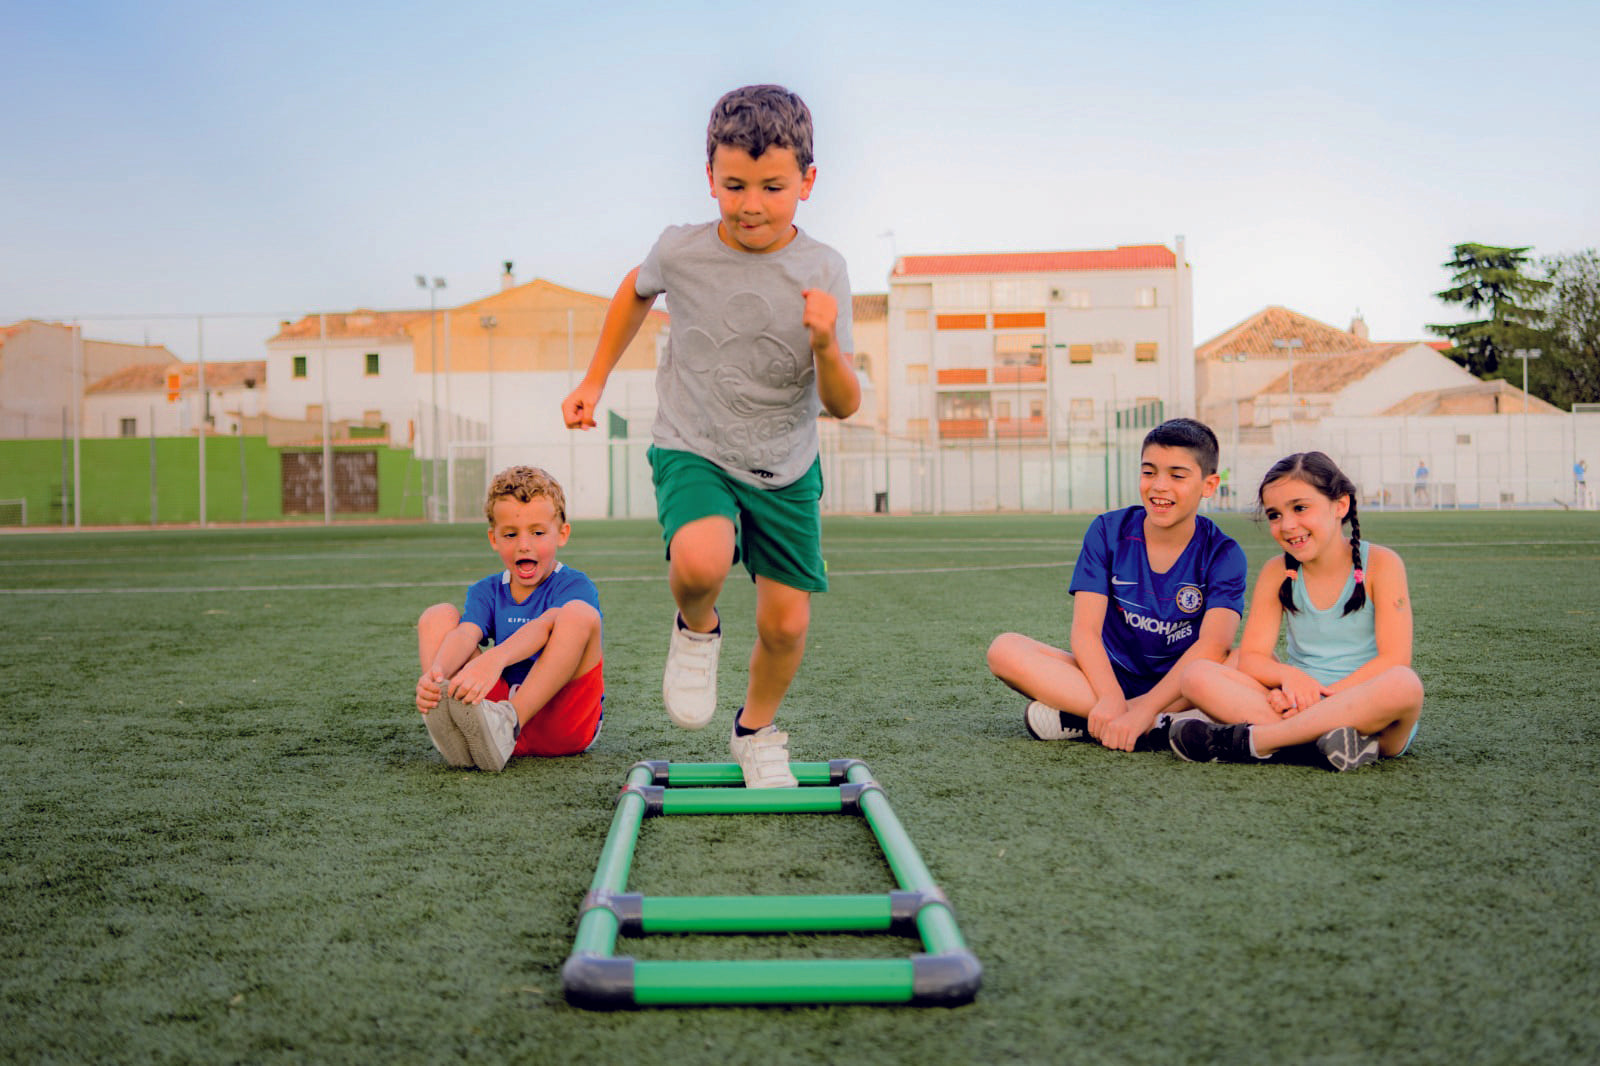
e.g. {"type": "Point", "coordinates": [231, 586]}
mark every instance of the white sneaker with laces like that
{"type": "Point", "coordinates": [763, 756]}
{"type": "Point", "coordinates": [490, 729]}
{"type": "Point", "coordinates": [446, 737]}
{"type": "Point", "coordinates": [1045, 722]}
{"type": "Point", "coordinates": [689, 685]}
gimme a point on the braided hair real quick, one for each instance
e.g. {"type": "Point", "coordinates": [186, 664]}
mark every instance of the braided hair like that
{"type": "Point", "coordinates": [1324, 475]}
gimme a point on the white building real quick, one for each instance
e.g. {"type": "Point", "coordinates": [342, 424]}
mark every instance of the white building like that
{"type": "Point", "coordinates": [45, 369]}
{"type": "Point", "coordinates": [1037, 345]}
{"type": "Point", "coordinates": [357, 363]}
{"type": "Point", "coordinates": [139, 401]}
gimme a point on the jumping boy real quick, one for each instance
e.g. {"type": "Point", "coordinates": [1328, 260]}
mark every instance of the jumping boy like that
{"type": "Point", "coordinates": [1155, 586]}
{"type": "Point", "coordinates": [760, 343]}
{"type": "Point", "coordinates": [538, 689]}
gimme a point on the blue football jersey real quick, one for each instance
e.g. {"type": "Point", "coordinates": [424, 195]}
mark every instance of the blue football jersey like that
{"type": "Point", "coordinates": [491, 608]}
{"type": "Point", "coordinates": [1152, 619]}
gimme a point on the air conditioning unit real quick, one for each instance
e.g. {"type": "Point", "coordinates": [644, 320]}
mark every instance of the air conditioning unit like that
{"type": "Point", "coordinates": [1055, 296]}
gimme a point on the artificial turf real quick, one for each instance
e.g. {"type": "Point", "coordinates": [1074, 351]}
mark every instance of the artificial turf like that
{"type": "Point", "coordinates": [225, 836]}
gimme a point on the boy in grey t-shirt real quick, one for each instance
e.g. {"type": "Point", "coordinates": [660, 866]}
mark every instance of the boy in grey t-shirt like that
{"type": "Point", "coordinates": [760, 343]}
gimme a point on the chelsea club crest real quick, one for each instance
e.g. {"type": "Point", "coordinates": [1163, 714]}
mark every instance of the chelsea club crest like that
{"type": "Point", "coordinates": [1190, 599]}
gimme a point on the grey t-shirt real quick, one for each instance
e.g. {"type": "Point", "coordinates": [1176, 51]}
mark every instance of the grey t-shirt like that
{"type": "Point", "coordinates": [738, 384]}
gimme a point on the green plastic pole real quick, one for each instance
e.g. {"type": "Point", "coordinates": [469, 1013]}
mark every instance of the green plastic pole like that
{"type": "Point", "coordinates": [765, 914]}
{"type": "Point", "coordinates": [728, 773]}
{"type": "Point", "coordinates": [774, 981]}
{"type": "Point", "coordinates": [597, 929]}
{"type": "Point", "coordinates": [935, 921]}
{"type": "Point", "coordinates": [752, 801]}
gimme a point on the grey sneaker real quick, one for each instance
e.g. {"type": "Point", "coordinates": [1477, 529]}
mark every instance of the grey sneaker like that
{"type": "Point", "coordinates": [1346, 748]}
{"type": "Point", "coordinates": [1044, 722]}
{"type": "Point", "coordinates": [689, 685]}
{"type": "Point", "coordinates": [490, 729]}
{"type": "Point", "coordinates": [446, 737]}
{"type": "Point", "coordinates": [763, 756]}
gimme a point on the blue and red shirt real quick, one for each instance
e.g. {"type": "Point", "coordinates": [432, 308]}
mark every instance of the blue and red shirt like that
{"type": "Point", "coordinates": [491, 608]}
{"type": "Point", "coordinates": [1152, 619]}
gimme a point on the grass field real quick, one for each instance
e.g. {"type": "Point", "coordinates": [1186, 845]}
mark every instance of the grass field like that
{"type": "Point", "coordinates": [225, 836]}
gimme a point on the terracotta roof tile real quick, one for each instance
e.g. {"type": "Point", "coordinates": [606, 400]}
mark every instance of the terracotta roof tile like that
{"type": "Point", "coordinates": [152, 377]}
{"type": "Point", "coordinates": [869, 306]}
{"type": "Point", "coordinates": [388, 325]}
{"type": "Point", "coordinates": [1254, 336]}
{"type": "Point", "coordinates": [1123, 257]}
{"type": "Point", "coordinates": [1333, 372]}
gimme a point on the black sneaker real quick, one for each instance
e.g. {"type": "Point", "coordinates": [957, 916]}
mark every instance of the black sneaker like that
{"type": "Point", "coordinates": [1044, 722]}
{"type": "Point", "coordinates": [1198, 741]}
{"type": "Point", "coordinates": [1346, 748]}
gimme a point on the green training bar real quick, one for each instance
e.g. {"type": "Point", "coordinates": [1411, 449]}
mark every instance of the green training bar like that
{"type": "Point", "coordinates": [946, 973]}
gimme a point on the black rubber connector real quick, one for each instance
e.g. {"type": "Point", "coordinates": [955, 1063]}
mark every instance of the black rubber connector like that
{"type": "Point", "coordinates": [950, 979]}
{"type": "Point", "coordinates": [839, 770]}
{"type": "Point", "coordinates": [905, 906]}
{"type": "Point", "coordinates": [653, 796]}
{"type": "Point", "coordinates": [850, 794]}
{"type": "Point", "coordinates": [598, 982]}
{"type": "Point", "coordinates": [659, 769]}
{"type": "Point", "coordinates": [626, 907]}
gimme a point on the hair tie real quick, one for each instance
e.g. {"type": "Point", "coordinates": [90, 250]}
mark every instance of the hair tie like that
{"type": "Point", "coordinates": [1360, 575]}
{"type": "Point", "coordinates": [1294, 573]}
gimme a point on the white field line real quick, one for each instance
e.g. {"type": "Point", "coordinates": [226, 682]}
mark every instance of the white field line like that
{"type": "Point", "coordinates": [356, 586]}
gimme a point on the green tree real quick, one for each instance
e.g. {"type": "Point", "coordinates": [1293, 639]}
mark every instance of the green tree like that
{"type": "Point", "coordinates": [1490, 281]}
{"type": "Point", "coordinates": [1569, 372]}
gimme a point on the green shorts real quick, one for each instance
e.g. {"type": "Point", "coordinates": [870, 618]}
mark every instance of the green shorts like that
{"type": "Point", "coordinates": [778, 532]}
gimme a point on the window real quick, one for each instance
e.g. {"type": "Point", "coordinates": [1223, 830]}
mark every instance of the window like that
{"type": "Point", "coordinates": [130, 427]}
{"type": "Point", "coordinates": [1002, 410]}
{"type": "Point", "coordinates": [864, 365]}
{"type": "Point", "coordinates": [1144, 352]}
{"type": "Point", "coordinates": [1019, 349]}
{"type": "Point", "coordinates": [964, 405]}
{"type": "Point", "coordinates": [1080, 353]}
{"type": "Point", "coordinates": [299, 366]}
{"type": "Point", "coordinates": [1078, 299]}
{"type": "Point", "coordinates": [961, 294]}
{"type": "Point", "coordinates": [1145, 297]}
{"type": "Point", "coordinates": [1035, 408]}
{"type": "Point", "coordinates": [1017, 294]}
{"type": "Point", "coordinates": [917, 374]}
{"type": "Point", "coordinates": [917, 320]}
{"type": "Point", "coordinates": [313, 412]}
{"type": "Point", "coordinates": [1463, 438]}
{"type": "Point", "coordinates": [917, 427]}
{"type": "Point", "coordinates": [372, 364]}
{"type": "Point", "coordinates": [1082, 409]}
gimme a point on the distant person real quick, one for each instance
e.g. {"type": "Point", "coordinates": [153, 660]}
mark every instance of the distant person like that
{"type": "Point", "coordinates": [1225, 487]}
{"type": "Point", "coordinates": [1419, 488]}
{"type": "Point", "coordinates": [1156, 586]}
{"type": "Point", "coordinates": [1580, 477]}
{"type": "Point", "coordinates": [1345, 683]}
{"type": "Point", "coordinates": [537, 689]}
{"type": "Point", "coordinates": [760, 344]}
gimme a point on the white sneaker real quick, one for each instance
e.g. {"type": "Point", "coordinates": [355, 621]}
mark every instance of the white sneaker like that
{"type": "Point", "coordinates": [490, 729]}
{"type": "Point", "coordinates": [689, 685]}
{"type": "Point", "coordinates": [1045, 722]}
{"type": "Point", "coordinates": [763, 756]}
{"type": "Point", "coordinates": [446, 737]}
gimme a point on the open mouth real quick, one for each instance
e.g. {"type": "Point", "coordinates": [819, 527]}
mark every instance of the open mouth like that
{"type": "Point", "coordinates": [525, 569]}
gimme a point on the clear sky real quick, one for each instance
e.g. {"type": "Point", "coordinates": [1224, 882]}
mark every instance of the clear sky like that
{"type": "Point", "coordinates": [172, 158]}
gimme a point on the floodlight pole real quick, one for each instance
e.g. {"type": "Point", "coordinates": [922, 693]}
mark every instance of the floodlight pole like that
{"type": "Point", "coordinates": [1233, 359]}
{"type": "Point", "coordinates": [1525, 354]}
{"type": "Point", "coordinates": [489, 322]}
{"type": "Point", "coordinates": [433, 375]}
{"type": "Point", "coordinates": [1289, 346]}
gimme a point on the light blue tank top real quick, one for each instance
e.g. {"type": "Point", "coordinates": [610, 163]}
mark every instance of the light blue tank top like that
{"type": "Point", "coordinates": [1330, 645]}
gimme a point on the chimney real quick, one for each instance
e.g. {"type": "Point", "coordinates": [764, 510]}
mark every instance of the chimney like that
{"type": "Point", "coordinates": [507, 280]}
{"type": "Point", "coordinates": [1358, 326]}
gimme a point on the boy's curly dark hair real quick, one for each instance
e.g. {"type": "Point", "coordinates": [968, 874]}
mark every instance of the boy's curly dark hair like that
{"type": "Point", "coordinates": [1323, 474]}
{"type": "Point", "coordinates": [758, 117]}
{"type": "Point", "coordinates": [526, 484]}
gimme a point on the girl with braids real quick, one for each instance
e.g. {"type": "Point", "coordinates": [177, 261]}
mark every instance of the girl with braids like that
{"type": "Point", "coordinates": [1345, 683]}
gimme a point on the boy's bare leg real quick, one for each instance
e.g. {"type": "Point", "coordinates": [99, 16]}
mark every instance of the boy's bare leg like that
{"type": "Point", "coordinates": [1041, 672]}
{"type": "Point", "coordinates": [572, 651]}
{"type": "Point", "coordinates": [434, 625]}
{"type": "Point", "coordinates": [783, 614]}
{"type": "Point", "coordinates": [1387, 705]}
{"type": "Point", "coordinates": [702, 555]}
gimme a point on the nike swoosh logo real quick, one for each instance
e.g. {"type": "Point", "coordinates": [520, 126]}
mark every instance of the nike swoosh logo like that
{"type": "Point", "coordinates": [1119, 581]}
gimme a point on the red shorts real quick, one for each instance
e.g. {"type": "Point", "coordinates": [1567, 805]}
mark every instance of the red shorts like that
{"type": "Point", "coordinates": [567, 724]}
